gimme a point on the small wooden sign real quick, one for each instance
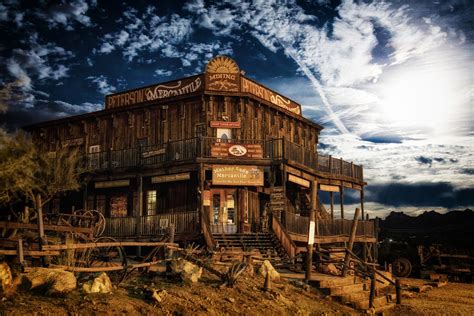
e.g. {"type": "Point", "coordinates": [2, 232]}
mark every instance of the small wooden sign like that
{"type": "Point", "coordinates": [312, 229]}
{"type": "Point", "coordinates": [111, 184]}
{"type": "Point", "coordinates": [73, 141]}
{"type": "Point", "coordinates": [298, 180]}
{"type": "Point", "coordinates": [222, 74]}
{"type": "Point", "coordinates": [171, 177]}
{"type": "Point", "coordinates": [153, 153]}
{"type": "Point", "coordinates": [237, 175]}
{"type": "Point", "coordinates": [229, 149]}
{"type": "Point", "coordinates": [329, 188]}
{"type": "Point", "coordinates": [223, 124]}
{"type": "Point", "coordinates": [206, 198]}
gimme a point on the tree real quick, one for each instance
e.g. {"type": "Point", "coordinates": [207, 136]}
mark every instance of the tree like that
{"type": "Point", "coordinates": [27, 171]}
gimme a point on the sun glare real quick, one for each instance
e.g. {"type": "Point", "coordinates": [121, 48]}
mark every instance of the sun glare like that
{"type": "Point", "coordinates": [419, 98]}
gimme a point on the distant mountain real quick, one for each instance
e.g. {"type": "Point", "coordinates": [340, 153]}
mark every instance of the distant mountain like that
{"type": "Point", "coordinates": [452, 229]}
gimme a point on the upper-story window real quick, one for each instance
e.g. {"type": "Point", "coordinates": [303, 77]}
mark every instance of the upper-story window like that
{"type": "Point", "coordinates": [151, 202]}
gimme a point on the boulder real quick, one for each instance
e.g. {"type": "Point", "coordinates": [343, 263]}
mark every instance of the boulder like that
{"type": "Point", "coordinates": [6, 276]}
{"type": "Point", "coordinates": [55, 281]}
{"type": "Point", "coordinates": [189, 272]}
{"type": "Point", "coordinates": [329, 268]}
{"type": "Point", "coordinates": [158, 296]}
{"type": "Point", "coordinates": [267, 268]}
{"type": "Point", "coordinates": [101, 284]}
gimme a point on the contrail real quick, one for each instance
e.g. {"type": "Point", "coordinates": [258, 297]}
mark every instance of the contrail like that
{"type": "Point", "coordinates": [319, 89]}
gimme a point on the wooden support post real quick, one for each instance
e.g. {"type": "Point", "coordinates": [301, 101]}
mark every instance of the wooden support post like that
{"type": "Point", "coordinates": [372, 290]}
{"type": "Point", "coordinates": [312, 230]}
{"type": "Point", "coordinates": [398, 291]}
{"type": "Point", "coordinates": [39, 210]}
{"type": "Point", "coordinates": [202, 178]}
{"type": "Point", "coordinates": [140, 205]}
{"type": "Point", "coordinates": [347, 258]}
{"type": "Point", "coordinates": [172, 233]}
{"type": "Point", "coordinates": [341, 196]}
{"type": "Point", "coordinates": [21, 257]}
{"type": "Point", "coordinates": [331, 196]}
{"type": "Point", "coordinates": [362, 203]}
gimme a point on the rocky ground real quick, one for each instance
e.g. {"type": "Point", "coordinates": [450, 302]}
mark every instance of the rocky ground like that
{"type": "Point", "coordinates": [208, 297]}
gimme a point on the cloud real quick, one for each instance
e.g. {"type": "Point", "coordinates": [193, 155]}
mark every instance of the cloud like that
{"type": "Point", "coordinates": [163, 72]}
{"type": "Point", "coordinates": [420, 195]}
{"type": "Point", "coordinates": [74, 109]}
{"type": "Point", "coordinates": [219, 21]}
{"type": "Point", "coordinates": [65, 14]}
{"type": "Point", "coordinates": [103, 86]}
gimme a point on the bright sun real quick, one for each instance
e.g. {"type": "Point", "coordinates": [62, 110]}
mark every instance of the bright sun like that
{"type": "Point", "coordinates": [418, 98]}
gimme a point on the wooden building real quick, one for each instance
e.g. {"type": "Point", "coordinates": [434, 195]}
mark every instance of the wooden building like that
{"type": "Point", "coordinates": [215, 153]}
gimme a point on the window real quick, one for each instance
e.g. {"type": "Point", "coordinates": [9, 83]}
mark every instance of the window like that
{"type": "Point", "coordinates": [151, 202]}
{"type": "Point", "coordinates": [224, 134]}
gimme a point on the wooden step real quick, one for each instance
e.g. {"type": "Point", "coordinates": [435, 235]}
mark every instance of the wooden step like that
{"type": "Point", "coordinates": [379, 301]}
{"type": "Point", "coordinates": [343, 289]}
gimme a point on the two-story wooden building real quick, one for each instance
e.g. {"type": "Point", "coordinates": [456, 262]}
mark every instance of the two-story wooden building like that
{"type": "Point", "coordinates": [215, 153]}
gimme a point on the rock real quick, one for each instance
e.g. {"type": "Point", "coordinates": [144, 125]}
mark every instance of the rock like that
{"type": "Point", "coordinates": [329, 268]}
{"type": "Point", "coordinates": [6, 277]}
{"type": "Point", "coordinates": [230, 299]}
{"type": "Point", "coordinates": [101, 284]}
{"type": "Point", "coordinates": [189, 272]}
{"type": "Point", "coordinates": [57, 281]}
{"type": "Point", "coordinates": [267, 267]}
{"type": "Point", "coordinates": [158, 296]}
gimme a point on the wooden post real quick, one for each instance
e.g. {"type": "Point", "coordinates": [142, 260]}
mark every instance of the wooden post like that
{"type": "Point", "coordinates": [40, 220]}
{"type": "Point", "coordinates": [140, 205]}
{"type": "Point", "coordinates": [398, 291]}
{"type": "Point", "coordinates": [172, 233]}
{"type": "Point", "coordinates": [311, 230]}
{"type": "Point", "coordinates": [341, 196]}
{"type": "Point", "coordinates": [21, 257]}
{"type": "Point", "coordinates": [372, 290]}
{"type": "Point", "coordinates": [347, 258]}
{"type": "Point", "coordinates": [362, 202]}
{"type": "Point", "coordinates": [202, 176]}
{"type": "Point", "coordinates": [331, 196]}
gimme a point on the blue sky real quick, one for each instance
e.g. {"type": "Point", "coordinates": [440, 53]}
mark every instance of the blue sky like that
{"type": "Point", "coordinates": [392, 82]}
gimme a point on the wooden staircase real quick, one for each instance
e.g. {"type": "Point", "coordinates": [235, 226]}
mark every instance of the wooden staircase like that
{"type": "Point", "coordinates": [266, 244]}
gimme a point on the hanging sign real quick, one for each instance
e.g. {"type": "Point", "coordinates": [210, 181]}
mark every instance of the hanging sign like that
{"type": "Point", "coordinates": [223, 124]}
{"type": "Point", "coordinates": [206, 198]}
{"type": "Point", "coordinates": [222, 74]}
{"type": "Point", "coordinates": [229, 149]}
{"type": "Point", "coordinates": [111, 184]}
{"type": "Point", "coordinates": [171, 177]}
{"type": "Point", "coordinates": [312, 227]}
{"type": "Point", "coordinates": [237, 175]}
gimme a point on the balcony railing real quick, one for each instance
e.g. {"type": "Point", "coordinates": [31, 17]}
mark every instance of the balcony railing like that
{"type": "Point", "coordinates": [205, 147]}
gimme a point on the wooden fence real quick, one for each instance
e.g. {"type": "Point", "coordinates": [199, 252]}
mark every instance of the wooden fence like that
{"type": "Point", "coordinates": [152, 225]}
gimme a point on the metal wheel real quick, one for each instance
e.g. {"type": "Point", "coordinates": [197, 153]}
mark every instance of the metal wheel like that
{"type": "Point", "coordinates": [401, 267]}
{"type": "Point", "coordinates": [108, 257]}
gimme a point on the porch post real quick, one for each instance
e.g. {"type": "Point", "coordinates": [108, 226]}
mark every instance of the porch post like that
{"type": "Point", "coordinates": [341, 193]}
{"type": "Point", "coordinates": [312, 229]}
{"type": "Point", "coordinates": [140, 205]}
{"type": "Point", "coordinates": [331, 196]}
{"type": "Point", "coordinates": [362, 202]}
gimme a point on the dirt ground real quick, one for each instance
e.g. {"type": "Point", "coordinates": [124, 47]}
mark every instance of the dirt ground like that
{"type": "Point", "coordinates": [207, 297]}
{"type": "Point", "coordinates": [452, 299]}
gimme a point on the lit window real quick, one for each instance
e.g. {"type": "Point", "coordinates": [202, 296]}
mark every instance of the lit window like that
{"type": "Point", "coordinates": [151, 202]}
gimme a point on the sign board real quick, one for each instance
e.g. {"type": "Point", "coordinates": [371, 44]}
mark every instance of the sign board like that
{"type": "Point", "coordinates": [222, 74]}
{"type": "Point", "coordinates": [260, 91]}
{"type": "Point", "coordinates": [111, 184]}
{"type": "Point", "coordinates": [153, 153]}
{"type": "Point", "coordinates": [298, 180]}
{"type": "Point", "coordinates": [73, 141]}
{"type": "Point", "coordinates": [206, 198]}
{"type": "Point", "coordinates": [237, 175]}
{"type": "Point", "coordinates": [329, 188]}
{"type": "Point", "coordinates": [171, 177]}
{"type": "Point", "coordinates": [229, 149]}
{"type": "Point", "coordinates": [311, 233]}
{"type": "Point", "coordinates": [155, 92]}
{"type": "Point", "coordinates": [118, 206]}
{"type": "Point", "coordinates": [222, 124]}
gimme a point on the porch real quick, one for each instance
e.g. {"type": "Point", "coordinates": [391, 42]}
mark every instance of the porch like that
{"type": "Point", "coordinates": [207, 149]}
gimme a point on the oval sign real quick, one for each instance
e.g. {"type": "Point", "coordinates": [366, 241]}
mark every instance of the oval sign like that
{"type": "Point", "coordinates": [237, 150]}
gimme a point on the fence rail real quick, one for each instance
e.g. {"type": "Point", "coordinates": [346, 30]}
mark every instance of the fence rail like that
{"type": "Point", "coordinates": [294, 223]}
{"type": "Point", "coordinates": [152, 225]}
{"type": "Point", "coordinates": [206, 147]}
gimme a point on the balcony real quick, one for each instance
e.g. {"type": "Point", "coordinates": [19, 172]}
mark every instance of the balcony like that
{"type": "Point", "coordinates": [188, 150]}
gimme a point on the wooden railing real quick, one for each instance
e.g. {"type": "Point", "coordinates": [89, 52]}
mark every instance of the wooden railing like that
{"type": "Point", "coordinates": [152, 225]}
{"type": "Point", "coordinates": [285, 240]}
{"type": "Point", "coordinates": [190, 149]}
{"type": "Point", "coordinates": [223, 228]}
{"type": "Point", "coordinates": [326, 227]}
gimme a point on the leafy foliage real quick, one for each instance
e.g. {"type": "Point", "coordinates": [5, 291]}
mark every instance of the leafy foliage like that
{"type": "Point", "coordinates": [27, 170]}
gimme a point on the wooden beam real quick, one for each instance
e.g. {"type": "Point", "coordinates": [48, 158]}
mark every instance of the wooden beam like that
{"type": "Point", "coordinates": [341, 198]}
{"type": "Point", "coordinates": [57, 228]}
{"type": "Point", "coordinates": [312, 229]}
{"type": "Point", "coordinates": [351, 242]}
{"type": "Point", "coordinates": [331, 197]}
{"type": "Point", "coordinates": [111, 244]}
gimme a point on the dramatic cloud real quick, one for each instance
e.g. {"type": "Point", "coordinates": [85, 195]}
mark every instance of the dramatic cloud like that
{"type": "Point", "coordinates": [66, 13]}
{"type": "Point", "coordinates": [103, 86]}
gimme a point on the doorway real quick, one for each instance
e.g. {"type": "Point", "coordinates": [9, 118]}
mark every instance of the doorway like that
{"type": "Point", "coordinates": [224, 211]}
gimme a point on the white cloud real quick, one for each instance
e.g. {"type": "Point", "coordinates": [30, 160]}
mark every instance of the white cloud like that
{"type": "Point", "coordinates": [103, 86]}
{"type": "Point", "coordinates": [67, 13]}
{"type": "Point", "coordinates": [163, 72]}
{"type": "Point", "coordinates": [84, 107]}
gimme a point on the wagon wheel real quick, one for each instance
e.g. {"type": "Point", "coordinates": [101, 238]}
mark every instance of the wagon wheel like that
{"type": "Point", "coordinates": [99, 225]}
{"type": "Point", "coordinates": [108, 257]}
{"type": "Point", "coordinates": [401, 267]}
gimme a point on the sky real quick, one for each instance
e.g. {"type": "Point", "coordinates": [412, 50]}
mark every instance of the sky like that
{"type": "Point", "coordinates": [391, 82]}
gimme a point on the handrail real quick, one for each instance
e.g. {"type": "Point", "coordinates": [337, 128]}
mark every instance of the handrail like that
{"type": "Point", "coordinates": [202, 147]}
{"type": "Point", "coordinates": [285, 240]}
